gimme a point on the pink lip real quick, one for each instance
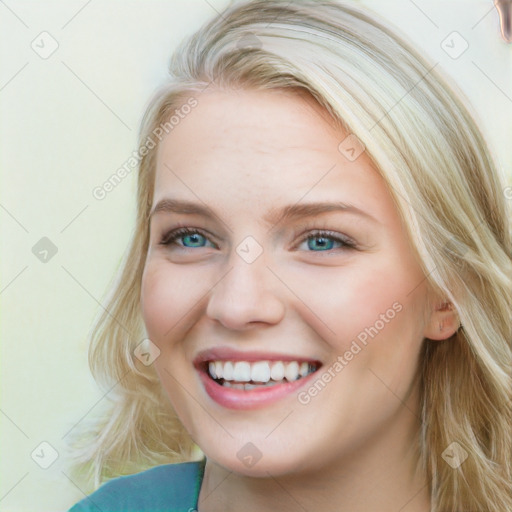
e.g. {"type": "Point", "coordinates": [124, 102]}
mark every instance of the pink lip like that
{"type": "Point", "coordinates": [254, 398]}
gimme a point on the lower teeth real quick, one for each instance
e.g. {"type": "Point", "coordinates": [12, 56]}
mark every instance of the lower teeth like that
{"type": "Point", "coordinates": [247, 386]}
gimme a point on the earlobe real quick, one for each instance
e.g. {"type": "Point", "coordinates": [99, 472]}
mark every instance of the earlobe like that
{"type": "Point", "coordinates": [444, 321]}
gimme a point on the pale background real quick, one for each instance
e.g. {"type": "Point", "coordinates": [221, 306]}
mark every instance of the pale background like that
{"type": "Point", "coordinates": [68, 122]}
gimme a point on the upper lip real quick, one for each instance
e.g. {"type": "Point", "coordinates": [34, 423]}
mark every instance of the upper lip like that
{"type": "Point", "coordinates": [230, 354]}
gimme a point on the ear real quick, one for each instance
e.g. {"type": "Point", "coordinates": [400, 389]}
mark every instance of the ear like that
{"type": "Point", "coordinates": [443, 322]}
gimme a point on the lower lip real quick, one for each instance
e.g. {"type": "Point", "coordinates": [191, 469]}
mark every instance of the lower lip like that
{"type": "Point", "coordinates": [252, 399]}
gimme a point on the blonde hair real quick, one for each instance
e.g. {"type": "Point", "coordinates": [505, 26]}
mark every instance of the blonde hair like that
{"type": "Point", "coordinates": [439, 169]}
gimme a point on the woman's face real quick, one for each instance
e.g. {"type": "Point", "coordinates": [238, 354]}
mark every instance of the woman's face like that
{"type": "Point", "coordinates": [296, 261]}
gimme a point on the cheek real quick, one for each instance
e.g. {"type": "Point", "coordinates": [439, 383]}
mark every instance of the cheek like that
{"type": "Point", "coordinates": [168, 294]}
{"type": "Point", "coordinates": [342, 303]}
{"type": "Point", "coordinates": [155, 300]}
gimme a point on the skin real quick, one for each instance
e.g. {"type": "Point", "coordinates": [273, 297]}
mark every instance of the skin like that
{"type": "Point", "coordinates": [352, 447]}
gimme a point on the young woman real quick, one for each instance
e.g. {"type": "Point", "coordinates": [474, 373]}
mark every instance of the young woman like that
{"type": "Point", "coordinates": [317, 295]}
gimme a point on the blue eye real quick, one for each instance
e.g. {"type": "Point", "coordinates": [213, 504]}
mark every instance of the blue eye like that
{"type": "Point", "coordinates": [193, 240]}
{"type": "Point", "coordinates": [317, 241]}
{"type": "Point", "coordinates": [190, 238]}
{"type": "Point", "coordinates": [322, 241]}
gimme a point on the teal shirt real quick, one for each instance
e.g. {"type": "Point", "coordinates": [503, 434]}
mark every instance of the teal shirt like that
{"type": "Point", "coordinates": [166, 488]}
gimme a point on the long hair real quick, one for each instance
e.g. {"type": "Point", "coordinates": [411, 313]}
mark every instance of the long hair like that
{"type": "Point", "coordinates": [425, 143]}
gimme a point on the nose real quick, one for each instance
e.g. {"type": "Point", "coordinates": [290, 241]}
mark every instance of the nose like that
{"type": "Point", "coordinates": [246, 296]}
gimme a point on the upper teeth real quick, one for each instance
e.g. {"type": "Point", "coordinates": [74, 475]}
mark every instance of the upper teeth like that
{"type": "Point", "coordinates": [259, 371]}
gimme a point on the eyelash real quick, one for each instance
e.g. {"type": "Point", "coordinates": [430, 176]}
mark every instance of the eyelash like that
{"type": "Point", "coordinates": [346, 243]}
{"type": "Point", "coordinates": [171, 237]}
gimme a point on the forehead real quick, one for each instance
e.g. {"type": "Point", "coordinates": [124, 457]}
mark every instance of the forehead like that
{"type": "Point", "coordinates": [261, 122]}
{"type": "Point", "coordinates": [265, 145]}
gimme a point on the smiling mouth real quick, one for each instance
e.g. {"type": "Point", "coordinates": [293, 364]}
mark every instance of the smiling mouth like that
{"type": "Point", "coordinates": [244, 375]}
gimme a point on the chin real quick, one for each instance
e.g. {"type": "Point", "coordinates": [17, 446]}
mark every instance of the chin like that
{"type": "Point", "coordinates": [249, 461]}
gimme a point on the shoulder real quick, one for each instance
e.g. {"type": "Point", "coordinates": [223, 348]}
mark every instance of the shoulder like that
{"type": "Point", "coordinates": [169, 488]}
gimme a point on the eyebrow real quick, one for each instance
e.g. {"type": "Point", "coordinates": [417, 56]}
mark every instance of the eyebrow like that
{"type": "Point", "coordinates": [176, 206]}
{"type": "Point", "coordinates": [274, 215]}
{"type": "Point", "coordinates": [297, 211]}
